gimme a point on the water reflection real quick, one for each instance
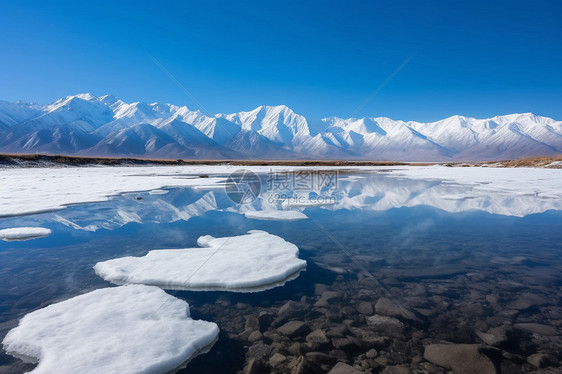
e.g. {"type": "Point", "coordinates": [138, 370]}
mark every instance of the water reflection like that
{"type": "Point", "coordinates": [362, 192]}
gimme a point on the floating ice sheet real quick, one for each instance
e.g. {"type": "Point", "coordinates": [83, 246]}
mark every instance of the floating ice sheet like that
{"type": "Point", "coordinates": [128, 329]}
{"type": "Point", "coordinates": [253, 262]}
{"type": "Point", "coordinates": [276, 215]}
{"type": "Point", "coordinates": [23, 233]}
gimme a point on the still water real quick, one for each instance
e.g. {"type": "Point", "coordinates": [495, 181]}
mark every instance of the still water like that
{"type": "Point", "coordinates": [453, 267]}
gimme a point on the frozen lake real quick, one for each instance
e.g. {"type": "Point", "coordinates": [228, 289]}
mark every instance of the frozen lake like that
{"type": "Point", "coordinates": [398, 261]}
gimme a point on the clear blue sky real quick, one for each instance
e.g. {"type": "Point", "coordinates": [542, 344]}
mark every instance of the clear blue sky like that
{"type": "Point", "coordinates": [321, 58]}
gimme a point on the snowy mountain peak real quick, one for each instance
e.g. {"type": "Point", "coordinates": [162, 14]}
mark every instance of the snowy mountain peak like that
{"type": "Point", "coordinates": [109, 100]}
{"type": "Point", "coordinates": [108, 126]}
{"type": "Point", "coordinates": [87, 96]}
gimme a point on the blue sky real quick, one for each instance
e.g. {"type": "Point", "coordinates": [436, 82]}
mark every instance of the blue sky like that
{"type": "Point", "coordinates": [321, 58]}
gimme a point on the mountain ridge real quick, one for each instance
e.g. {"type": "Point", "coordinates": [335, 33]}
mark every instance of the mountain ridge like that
{"type": "Point", "coordinates": [85, 124]}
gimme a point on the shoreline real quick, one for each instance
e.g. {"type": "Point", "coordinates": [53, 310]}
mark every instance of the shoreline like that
{"type": "Point", "coordinates": [44, 160]}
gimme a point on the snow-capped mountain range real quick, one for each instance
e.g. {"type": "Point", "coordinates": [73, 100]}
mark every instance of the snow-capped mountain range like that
{"type": "Point", "coordinates": [106, 126]}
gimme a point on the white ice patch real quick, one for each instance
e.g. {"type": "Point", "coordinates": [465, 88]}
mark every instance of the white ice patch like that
{"type": "Point", "coordinates": [507, 180]}
{"type": "Point", "coordinates": [276, 215]}
{"type": "Point", "coordinates": [253, 262]}
{"type": "Point", "coordinates": [116, 330]}
{"type": "Point", "coordinates": [23, 233]}
{"type": "Point", "coordinates": [555, 164]}
{"type": "Point", "coordinates": [35, 190]}
{"type": "Point", "coordinates": [47, 189]}
{"type": "Point", "coordinates": [158, 192]}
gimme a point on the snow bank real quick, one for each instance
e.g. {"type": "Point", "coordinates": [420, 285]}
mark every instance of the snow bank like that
{"type": "Point", "coordinates": [277, 215]}
{"type": "Point", "coordinates": [129, 329]}
{"type": "Point", "coordinates": [253, 262]}
{"type": "Point", "coordinates": [23, 233]}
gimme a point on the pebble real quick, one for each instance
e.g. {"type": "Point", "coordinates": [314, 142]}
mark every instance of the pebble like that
{"type": "Point", "coordinates": [276, 360]}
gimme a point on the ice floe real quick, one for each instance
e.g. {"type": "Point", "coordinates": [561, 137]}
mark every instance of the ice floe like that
{"type": "Point", "coordinates": [23, 233]}
{"type": "Point", "coordinates": [277, 215]}
{"type": "Point", "coordinates": [252, 262]}
{"type": "Point", "coordinates": [128, 329]}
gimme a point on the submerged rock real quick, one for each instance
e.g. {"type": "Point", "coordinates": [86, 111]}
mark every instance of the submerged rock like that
{"type": "Point", "coordinates": [342, 368]}
{"type": "Point", "coordinates": [536, 328]}
{"type": "Point", "coordinates": [495, 336]}
{"type": "Point", "coordinates": [461, 358]}
{"type": "Point", "coordinates": [387, 307]}
{"type": "Point", "coordinates": [293, 328]}
{"type": "Point", "coordinates": [365, 308]}
{"type": "Point", "coordinates": [526, 301]}
{"type": "Point", "coordinates": [255, 336]}
{"type": "Point", "coordinates": [541, 360]}
{"type": "Point", "coordinates": [252, 367]}
{"type": "Point", "coordinates": [317, 339]}
{"type": "Point", "coordinates": [252, 323]}
{"type": "Point", "coordinates": [320, 358]}
{"type": "Point", "coordinates": [385, 324]}
{"type": "Point", "coordinates": [259, 351]}
{"type": "Point", "coordinates": [327, 297]}
{"type": "Point", "coordinates": [396, 369]}
{"type": "Point", "coordinates": [290, 309]}
{"type": "Point", "coordinates": [276, 360]}
{"type": "Point", "coordinates": [299, 365]}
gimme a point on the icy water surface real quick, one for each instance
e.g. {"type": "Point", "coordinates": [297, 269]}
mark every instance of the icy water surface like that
{"type": "Point", "coordinates": [395, 266]}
